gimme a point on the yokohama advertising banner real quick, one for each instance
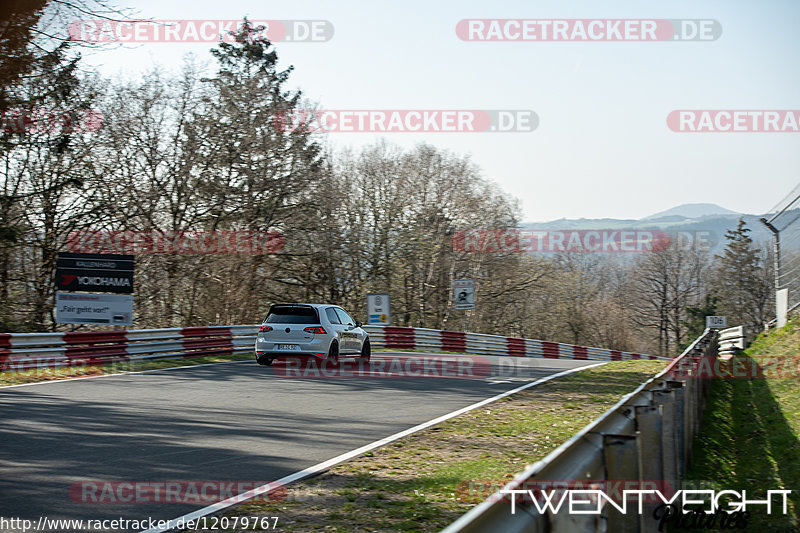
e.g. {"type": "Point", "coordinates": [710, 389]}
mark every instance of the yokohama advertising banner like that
{"type": "Point", "coordinates": [95, 273]}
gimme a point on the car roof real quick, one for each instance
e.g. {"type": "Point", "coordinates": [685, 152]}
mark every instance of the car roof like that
{"type": "Point", "coordinates": [316, 306]}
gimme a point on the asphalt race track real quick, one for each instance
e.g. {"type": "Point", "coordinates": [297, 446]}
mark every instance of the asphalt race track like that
{"type": "Point", "coordinates": [225, 422]}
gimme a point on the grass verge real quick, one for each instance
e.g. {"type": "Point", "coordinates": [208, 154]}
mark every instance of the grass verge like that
{"type": "Point", "coordinates": [425, 481]}
{"type": "Point", "coordinates": [749, 436]}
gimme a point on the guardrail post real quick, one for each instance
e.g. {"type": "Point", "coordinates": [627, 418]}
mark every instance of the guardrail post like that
{"type": "Point", "coordinates": [621, 457]}
{"type": "Point", "coordinates": [669, 437]}
{"type": "Point", "coordinates": [686, 440]}
{"type": "Point", "coordinates": [649, 428]}
{"type": "Point", "coordinates": [695, 409]}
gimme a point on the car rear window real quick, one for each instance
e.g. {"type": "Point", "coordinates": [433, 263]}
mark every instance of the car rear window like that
{"type": "Point", "coordinates": [292, 314]}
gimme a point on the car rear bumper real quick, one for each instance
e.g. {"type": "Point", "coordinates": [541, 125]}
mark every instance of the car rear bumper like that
{"type": "Point", "coordinates": [273, 354]}
{"type": "Point", "coordinates": [317, 347]}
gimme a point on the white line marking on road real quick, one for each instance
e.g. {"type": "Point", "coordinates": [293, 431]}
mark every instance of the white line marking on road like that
{"type": "Point", "coordinates": [307, 472]}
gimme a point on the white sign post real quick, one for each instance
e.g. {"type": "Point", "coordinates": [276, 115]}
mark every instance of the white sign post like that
{"type": "Point", "coordinates": [464, 294]}
{"type": "Point", "coordinates": [782, 306]}
{"type": "Point", "coordinates": [88, 308]}
{"type": "Point", "coordinates": [379, 309]}
{"type": "Point", "coordinates": [716, 322]}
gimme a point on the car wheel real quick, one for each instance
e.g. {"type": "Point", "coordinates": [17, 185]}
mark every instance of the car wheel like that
{"type": "Point", "coordinates": [333, 354]}
{"type": "Point", "coordinates": [266, 361]}
{"type": "Point", "coordinates": [366, 352]}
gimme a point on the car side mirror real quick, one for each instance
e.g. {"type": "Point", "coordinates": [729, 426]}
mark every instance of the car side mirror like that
{"type": "Point", "coordinates": [358, 324]}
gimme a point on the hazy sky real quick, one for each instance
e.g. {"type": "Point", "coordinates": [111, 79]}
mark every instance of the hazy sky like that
{"type": "Point", "coordinates": [602, 148]}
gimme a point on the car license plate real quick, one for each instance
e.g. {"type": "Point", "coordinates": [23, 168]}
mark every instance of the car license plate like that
{"type": "Point", "coordinates": [287, 347]}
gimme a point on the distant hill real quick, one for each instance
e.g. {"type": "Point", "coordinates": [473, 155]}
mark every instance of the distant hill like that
{"type": "Point", "coordinates": [710, 222]}
{"type": "Point", "coordinates": [692, 211]}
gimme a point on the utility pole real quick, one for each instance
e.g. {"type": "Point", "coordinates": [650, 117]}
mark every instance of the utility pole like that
{"type": "Point", "coordinates": [776, 240]}
{"type": "Point", "coordinates": [781, 295]}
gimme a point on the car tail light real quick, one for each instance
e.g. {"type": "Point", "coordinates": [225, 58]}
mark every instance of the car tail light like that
{"type": "Point", "coordinates": [315, 329]}
{"type": "Point", "coordinates": [264, 329]}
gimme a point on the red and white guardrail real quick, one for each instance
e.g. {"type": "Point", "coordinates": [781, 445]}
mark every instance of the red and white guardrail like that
{"type": "Point", "coordinates": [404, 338]}
{"type": "Point", "coordinates": [25, 351]}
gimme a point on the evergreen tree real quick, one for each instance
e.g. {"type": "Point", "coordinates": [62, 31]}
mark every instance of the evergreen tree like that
{"type": "Point", "coordinates": [256, 174]}
{"type": "Point", "coordinates": [744, 281]}
{"type": "Point", "coordinates": [696, 323]}
{"type": "Point", "coordinates": [43, 160]}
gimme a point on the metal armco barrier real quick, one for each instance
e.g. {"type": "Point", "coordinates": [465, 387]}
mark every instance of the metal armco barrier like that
{"type": "Point", "coordinates": [645, 438]}
{"type": "Point", "coordinates": [731, 340]}
{"type": "Point", "coordinates": [25, 351]}
{"type": "Point", "coordinates": [404, 338]}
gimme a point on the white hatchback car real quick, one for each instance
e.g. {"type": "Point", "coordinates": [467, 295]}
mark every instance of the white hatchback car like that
{"type": "Point", "coordinates": [315, 330]}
